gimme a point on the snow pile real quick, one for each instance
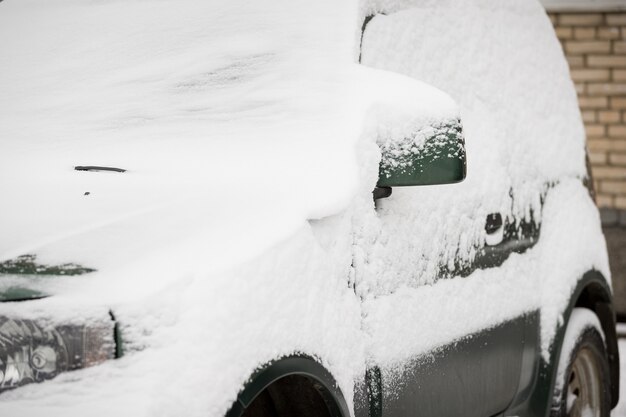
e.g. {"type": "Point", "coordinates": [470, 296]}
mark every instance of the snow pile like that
{"type": "Point", "coordinates": [237, 110]}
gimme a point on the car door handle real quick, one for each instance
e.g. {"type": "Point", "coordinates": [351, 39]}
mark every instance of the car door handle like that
{"type": "Point", "coordinates": [494, 226]}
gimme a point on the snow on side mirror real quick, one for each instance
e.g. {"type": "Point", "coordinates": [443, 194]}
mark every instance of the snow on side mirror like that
{"type": "Point", "coordinates": [433, 154]}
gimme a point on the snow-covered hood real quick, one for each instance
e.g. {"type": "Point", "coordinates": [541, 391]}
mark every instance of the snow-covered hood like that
{"type": "Point", "coordinates": [233, 129]}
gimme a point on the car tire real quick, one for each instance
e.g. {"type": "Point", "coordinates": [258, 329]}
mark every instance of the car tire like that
{"type": "Point", "coordinates": [582, 386]}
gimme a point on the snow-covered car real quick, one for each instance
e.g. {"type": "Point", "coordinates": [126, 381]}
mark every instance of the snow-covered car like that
{"type": "Point", "coordinates": [296, 208]}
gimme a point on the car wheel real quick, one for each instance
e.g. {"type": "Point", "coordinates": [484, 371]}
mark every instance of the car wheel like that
{"type": "Point", "coordinates": [582, 385]}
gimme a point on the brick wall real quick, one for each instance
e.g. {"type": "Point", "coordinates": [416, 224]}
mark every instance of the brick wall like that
{"type": "Point", "coordinates": [595, 47]}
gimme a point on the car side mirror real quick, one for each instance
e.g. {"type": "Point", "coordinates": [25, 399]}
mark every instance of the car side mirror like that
{"type": "Point", "coordinates": [435, 154]}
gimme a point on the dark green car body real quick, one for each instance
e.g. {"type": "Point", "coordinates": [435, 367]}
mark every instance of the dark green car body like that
{"type": "Point", "coordinates": [498, 371]}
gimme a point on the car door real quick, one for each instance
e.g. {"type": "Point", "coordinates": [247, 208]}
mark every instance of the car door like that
{"type": "Point", "coordinates": [462, 366]}
{"type": "Point", "coordinates": [448, 336]}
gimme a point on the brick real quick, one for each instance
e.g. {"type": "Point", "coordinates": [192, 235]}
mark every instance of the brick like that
{"type": "Point", "coordinates": [619, 75]}
{"type": "Point", "coordinates": [584, 33]}
{"type": "Point", "coordinates": [613, 187]}
{"type": "Point", "coordinates": [595, 131]}
{"type": "Point", "coordinates": [604, 200]}
{"type": "Point", "coordinates": [589, 116]}
{"type": "Point", "coordinates": [606, 89]}
{"type": "Point", "coordinates": [593, 102]}
{"type": "Point", "coordinates": [598, 158]}
{"type": "Point", "coordinates": [609, 172]}
{"type": "Point", "coordinates": [618, 102]}
{"type": "Point", "coordinates": [606, 144]}
{"type": "Point", "coordinates": [618, 159]}
{"type": "Point", "coordinates": [580, 19]}
{"type": "Point", "coordinates": [617, 131]}
{"type": "Point", "coordinates": [619, 47]}
{"type": "Point", "coordinates": [608, 33]}
{"type": "Point", "coordinates": [609, 116]}
{"type": "Point", "coordinates": [575, 61]}
{"type": "Point", "coordinates": [616, 19]}
{"type": "Point", "coordinates": [607, 61]}
{"type": "Point", "coordinates": [564, 33]}
{"type": "Point", "coordinates": [587, 47]}
{"type": "Point", "coordinates": [580, 88]}
{"type": "Point", "coordinates": [590, 74]}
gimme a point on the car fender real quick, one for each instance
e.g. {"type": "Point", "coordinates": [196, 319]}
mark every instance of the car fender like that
{"type": "Point", "coordinates": [592, 291]}
{"type": "Point", "coordinates": [298, 364]}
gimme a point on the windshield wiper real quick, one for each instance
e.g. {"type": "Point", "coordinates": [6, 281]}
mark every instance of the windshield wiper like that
{"type": "Point", "coordinates": [93, 168]}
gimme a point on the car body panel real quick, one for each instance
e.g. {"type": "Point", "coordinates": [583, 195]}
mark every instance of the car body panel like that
{"type": "Point", "coordinates": [235, 238]}
{"type": "Point", "coordinates": [480, 373]}
{"type": "Point", "coordinates": [538, 400]}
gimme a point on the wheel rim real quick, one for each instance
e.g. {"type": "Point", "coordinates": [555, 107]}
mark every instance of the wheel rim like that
{"type": "Point", "coordinates": [584, 393]}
